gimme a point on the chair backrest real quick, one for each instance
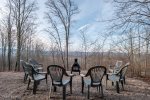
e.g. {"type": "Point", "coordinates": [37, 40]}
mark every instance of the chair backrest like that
{"type": "Point", "coordinates": [33, 62]}
{"type": "Point", "coordinates": [96, 73]}
{"type": "Point", "coordinates": [117, 66]}
{"type": "Point", "coordinates": [123, 70]}
{"type": "Point", "coordinates": [56, 73]}
{"type": "Point", "coordinates": [23, 64]}
{"type": "Point", "coordinates": [30, 70]}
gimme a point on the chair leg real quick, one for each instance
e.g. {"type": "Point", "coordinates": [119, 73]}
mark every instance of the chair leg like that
{"type": "Point", "coordinates": [28, 84]}
{"type": "Point", "coordinates": [64, 92]}
{"type": "Point", "coordinates": [106, 80]}
{"type": "Point", "coordinates": [99, 88]}
{"type": "Point", "coordinates": [88, 92]}
{"type": "Point", "coordinates": [71, 85]}
{"type": "Point", "coordinates": [25, 77]}
{"type": "Point", "coordinates": [112, 83]}
{"type": "Point", "coordinates": [55, 89]}
{"type": "Point", "coordinates": [117, 86]}
{"type": "Point", "coordinates": [49, 95]}
{"type": "Point", "coordinates": [46, 78]}
{"type": "Point", "coordinates": [124, 79]}
{"type": "Point", "coordinates": [82, 85]}
{"type": "Point", "coordinates": [122, 82]}
{"type": "Point", "coordinates": [71, 71]}
{"type": "Point", "coordinates": [38, 82]}
{"type": "Point", "coordinates": [34, 87]}
{"type": "Point", "coordinates": [102, 90]}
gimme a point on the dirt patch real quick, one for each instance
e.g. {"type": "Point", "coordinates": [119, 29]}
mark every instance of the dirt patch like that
{"type": "Point", "coordinates": [13, 88]}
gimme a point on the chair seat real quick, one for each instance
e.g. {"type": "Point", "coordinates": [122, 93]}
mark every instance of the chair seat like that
{"type": "Point", "coordinates": [113, 77]}
{"type": "Point", "coordinates": [88, 82]}
{"type": "Point", "coordinates": [64, 82]}
{"type": "Point", "coordinates": [39, 77]}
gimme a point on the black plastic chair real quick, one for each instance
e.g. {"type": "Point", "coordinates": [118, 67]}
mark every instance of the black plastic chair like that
{"type": "Point", "coordinates": [56, 73]}
{"type": "Point", "coordinates": [118, 77]}
{"type": "Point", "coordinates": [96, 74]}
{"type": "Point", "coordinates": [75, 67]}
{"type": "Point", "coordinates": [35, 76]}
{"type": "Point", "coordinates": [23, 63]}
{"type": "Point", "coordinates": [37, 66]}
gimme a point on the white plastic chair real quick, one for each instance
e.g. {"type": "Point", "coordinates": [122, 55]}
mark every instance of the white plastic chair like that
{"type": "Point", "coordinates": [116, 68]}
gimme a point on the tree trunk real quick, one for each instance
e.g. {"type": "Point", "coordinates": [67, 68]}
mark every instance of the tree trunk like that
{"type": "Point", "coordinates": [17, 67]}
{"type": "Point", "coordinates": [9, 39]}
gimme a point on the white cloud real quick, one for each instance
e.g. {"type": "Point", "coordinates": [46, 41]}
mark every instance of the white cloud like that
{"type": "Point", "coordinates": [91, 11]}
{"type": "Point", "coordinates": [100, 9]}
{"type": "Point", "coordinates": [84, 27]}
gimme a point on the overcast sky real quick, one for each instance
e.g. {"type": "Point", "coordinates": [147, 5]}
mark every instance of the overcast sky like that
{"type": "Point", "coordinates": [92, 12]}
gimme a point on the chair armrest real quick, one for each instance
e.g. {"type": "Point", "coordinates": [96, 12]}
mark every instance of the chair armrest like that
{"type": "Point", "coordinates": [40, 65]}
{"type": "Point", "coordinates": [71, 75]}
{"type": "Point", "coordinates": [110, 70]}
{"type": "Point", "coordinates": [112, 73]}
{"type": "Point", "coordinates": [109, 73]}
{"type": "Point", "coordinates": [82, 75]}
{"type": "Point", "coordinates": [40, 68]}
{"type": "Point", "coordinates": [41, 72]}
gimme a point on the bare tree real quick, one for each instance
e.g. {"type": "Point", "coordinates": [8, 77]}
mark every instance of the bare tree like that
{"type": "Point", "coordinates": [3, 45]}
{"type": "Point", "coordinates": [9, 29]}
{"type": "Point", "coordinates": [147, 50]}
{"type": "Point", "coordinates": [7, 22]}
{"type": "Point", "coordinates": [56, 36]}
{"type": "Point", "coordinates": [132, 15]}
{"type": "Point", "coordinates": [61, 12]}
{"type": "Point", "coordinates": [22, 11]}
{"type": "Point", "coordinates": [85, 44]}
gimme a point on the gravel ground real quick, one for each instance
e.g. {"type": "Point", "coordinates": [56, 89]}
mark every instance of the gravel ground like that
{"type": "Point", "coordinates": [13, 88]}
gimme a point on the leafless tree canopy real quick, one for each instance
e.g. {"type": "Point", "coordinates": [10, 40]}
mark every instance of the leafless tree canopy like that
{"type": "Point", "coordinates": [127, 37]}
{"type": "Point", "coordinates": [59, 15]}
{"type": "Point", "coordinates": [131, 21]}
